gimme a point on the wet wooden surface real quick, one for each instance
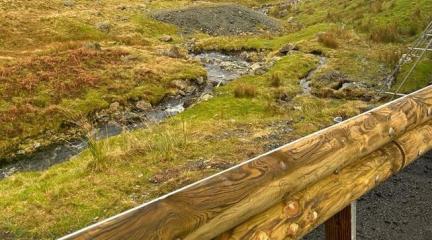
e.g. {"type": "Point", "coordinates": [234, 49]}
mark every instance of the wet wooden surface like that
{"type": "Point", "coordinates": [300, 213]}
{"type": "Point", "coordinates": [210, 207]}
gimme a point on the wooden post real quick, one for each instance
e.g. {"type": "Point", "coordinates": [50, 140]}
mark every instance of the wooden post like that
{"type": "Point", "coordinates": [342, 226]}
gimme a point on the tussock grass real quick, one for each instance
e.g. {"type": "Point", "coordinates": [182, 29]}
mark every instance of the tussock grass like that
{"type": "Point", "coordinates": [245, 91]}
{"type": "Point", "coordinates": [328, 39]}
{"type": "Point", "coordinates": [390, 56]}
{"type": "Point", "coordinates": [387, 33]}
{"type": "Point", "coordinates": [98, 150]}
{"type": "Point", "coordinates": [376, 6]}
{"type": "Point", "coordinates": [275, 79]}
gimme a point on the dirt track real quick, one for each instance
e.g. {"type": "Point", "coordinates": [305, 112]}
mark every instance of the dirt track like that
{"type": "Point", "coordinates": [401, 208]}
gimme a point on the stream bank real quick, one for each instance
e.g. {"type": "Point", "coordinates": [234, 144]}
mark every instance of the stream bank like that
{"type": "Point", "coordinates": [221, 68]}
{"type": "Point", "coordinates": [306, 81]}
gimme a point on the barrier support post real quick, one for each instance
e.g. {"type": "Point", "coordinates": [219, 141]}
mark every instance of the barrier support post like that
{"type": "Point", "coordinates": [342, 226]}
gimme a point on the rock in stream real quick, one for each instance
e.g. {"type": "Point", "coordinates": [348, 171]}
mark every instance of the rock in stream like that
{"type": "Point", "coordinates": [221, 68]}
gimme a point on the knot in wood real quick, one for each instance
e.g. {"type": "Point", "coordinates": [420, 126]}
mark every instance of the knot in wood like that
{"type": "Point", "coordinates": [392, 132]}
{"type": "Point", "coordinates": [314, 215]}
{"type": "Point", "coordinates": [291, 209]}
{"type": "Point", "coordinates": [283, 165]}
{"type": "Point", "coordinates": [311, 216]}
{"type": "Point", "coordinates": [293, 228]}
{"type": "Point", "coordinates": [420, 152]}
{"type": "Point", "coordinates": [261, 236]}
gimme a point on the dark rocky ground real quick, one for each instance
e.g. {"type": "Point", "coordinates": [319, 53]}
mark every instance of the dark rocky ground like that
{"type": "Point", "coordinates": [226, 19]}
{"type": "Point", "coordinates": [400, 208]}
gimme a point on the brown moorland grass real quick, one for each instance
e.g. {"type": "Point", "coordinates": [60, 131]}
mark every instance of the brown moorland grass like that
{"type": "Point", "coordinates": [40, 93]}
{"type": "Point", "coordinates": [386, 33]}
{"type": "Point", "coordinates": [328, 39]}
{"type": "Point", "coordinates": [275, 80]}
{"type": "Point", "coordinates": [245, 91]}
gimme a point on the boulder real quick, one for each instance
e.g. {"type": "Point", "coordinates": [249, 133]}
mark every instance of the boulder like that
{"type": "Point", "coordinates": [179, 84]}
{"type": "Point", "coordinates": [199, 80]}
{"type": "Point", "coordinates": [104, 27]}
{"type": "Point", "coordinates": [338, 119]}
{"type": "Point", "coordinates": [166, 38]}
{"type": "Point", "coordinates": [298, 108]}
{"type": "Point", "coordinates": [206, 97]}
{"type": "Point", "coordinates": [287, 49]}
{"type": "Point", "coordinates": [244, 55]}
{"type": "Point", "coordinates": [189, 102]}
{"type": "Point", "coordinates": [258, 68]}
{"type": "Point", "coordinates": [114, 107]}
{"type": "Point", "coordinates": [352, 85]}
{"type": "Point", "coordinates": [93, 45]}
{"type": "Point", "coordinates": [229, 66]}
{"type": "Point", "coordinates": [190, 89]}
{"type": "Point", "coordinates": [69, 3]}
{"type": "Point", "coordinates": [251, 56]}
{"type": "Point", "coordinates": [173, 52]}
{"type": "Point", "coordinates": [129, 57]}
{"type": "Point", "coordinates": [143, 105]}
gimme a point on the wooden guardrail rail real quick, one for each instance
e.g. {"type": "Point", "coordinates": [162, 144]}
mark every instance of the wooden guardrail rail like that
{"type": "Point", "coordinates": [289, 191]}
{"type": "Point", "coordinates": [297, 214]}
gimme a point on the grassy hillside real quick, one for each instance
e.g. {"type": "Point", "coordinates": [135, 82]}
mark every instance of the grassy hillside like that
{"type": "Point", "coordinates": [63, 61]}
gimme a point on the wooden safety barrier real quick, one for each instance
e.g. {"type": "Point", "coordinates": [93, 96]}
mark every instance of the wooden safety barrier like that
{"type": "Point", "coordinates": [289, 191]}
{"type": "Point", "coordinates": [299, 213]}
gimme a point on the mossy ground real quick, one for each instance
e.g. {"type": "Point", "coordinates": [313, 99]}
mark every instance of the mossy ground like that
{"type": "Point", "coordinates": [129, 169]}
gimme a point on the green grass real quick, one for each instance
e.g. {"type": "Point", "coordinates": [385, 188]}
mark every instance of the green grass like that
{"type": "Point", "coordinates": [72, 195]}
{"type": "Point", "coordinates": [219, 132]}
{"type": "Point", "coordinates": [76, 30]}
{"type": "Point", "coordinates": [151, 28]}
{"type": "Point", "coordinates": [42, 92]}
{"type": "Point", "coordinates": [366, 15]}
{"type": "Point", "coordinates": [421, 77]}
{"type": "Point", "coordinates": [262, 42]}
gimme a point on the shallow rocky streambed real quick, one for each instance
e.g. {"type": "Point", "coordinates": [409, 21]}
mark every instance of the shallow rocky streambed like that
{"type": "Point", "coordinates": [221, 68]}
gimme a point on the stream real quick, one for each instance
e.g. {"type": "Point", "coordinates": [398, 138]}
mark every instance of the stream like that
{"type": "Point", "coordinates": [305, 82]}
{"type": "Point", "coordinates": [221, 68]}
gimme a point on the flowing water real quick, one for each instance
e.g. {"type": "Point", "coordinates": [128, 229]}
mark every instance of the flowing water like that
{"type": "Point", "coordinates": [221, 68]}
{"type": "Point", "coordinates": [305, 82]}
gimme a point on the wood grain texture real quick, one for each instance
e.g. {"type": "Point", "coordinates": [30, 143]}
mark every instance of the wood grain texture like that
{"type": "Point", "coordinates": [341, 226]}
{"type": "Point", "coordinates": [212, 206]}
{"type": "Point", "coordinates": [300, 213]}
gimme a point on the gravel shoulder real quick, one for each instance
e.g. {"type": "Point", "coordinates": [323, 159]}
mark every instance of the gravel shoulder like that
{"type": "Point", "coordinates": [400, 208]}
